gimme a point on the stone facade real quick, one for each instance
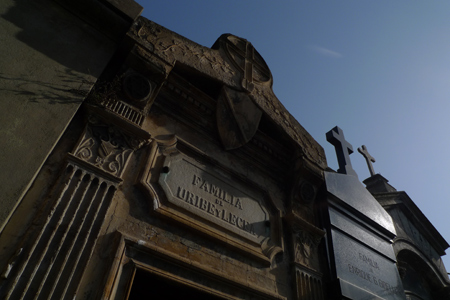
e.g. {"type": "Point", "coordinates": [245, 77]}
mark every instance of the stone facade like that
{"type": "Point", "coordinates": [179, 173]}
{"type": "Point", "coordinates": [418, 245]}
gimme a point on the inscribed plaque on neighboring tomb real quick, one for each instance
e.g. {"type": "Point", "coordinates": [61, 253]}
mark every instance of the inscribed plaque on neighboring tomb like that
{"type": "Point", "coordinates": [365, 268]}
{"type": "Point", "coordinates": [360, 232]}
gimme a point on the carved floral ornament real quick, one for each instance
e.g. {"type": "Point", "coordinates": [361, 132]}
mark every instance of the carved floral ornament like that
{"type": "Point", "coordinates": [106, 147]}
{"type": "Point", "coordinates": [171, 47]}
{"type": "Point", "coordinates": [306, 245]}
{"type": "Point", "coordinates": [231, 55]}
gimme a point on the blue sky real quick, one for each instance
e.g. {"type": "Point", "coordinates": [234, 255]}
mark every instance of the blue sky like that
{"type": "Point", "coordinates": [380, 70]}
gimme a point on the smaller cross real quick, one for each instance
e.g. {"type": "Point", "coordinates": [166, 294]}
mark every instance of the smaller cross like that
{"type": "Point", "coordinates": [369, 159]}
{"type": "Point", "coordinates": [343, 150]}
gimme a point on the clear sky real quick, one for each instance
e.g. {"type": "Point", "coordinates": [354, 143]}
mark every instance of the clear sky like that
{"type": "Point", "coordinates": [380, 70]}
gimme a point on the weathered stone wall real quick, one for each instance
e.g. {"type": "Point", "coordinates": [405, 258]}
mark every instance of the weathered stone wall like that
{"type": "Point", "coordinates": [52, 53]}
{"type": "Point", "coordinates": [418, 245]}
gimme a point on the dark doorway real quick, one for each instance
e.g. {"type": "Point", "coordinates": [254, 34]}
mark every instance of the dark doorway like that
{"type": "Point", "coordinates": [149, 286]}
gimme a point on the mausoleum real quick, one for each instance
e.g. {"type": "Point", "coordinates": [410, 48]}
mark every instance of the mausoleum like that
{"type": "Point", "coordinates": [138, 164]}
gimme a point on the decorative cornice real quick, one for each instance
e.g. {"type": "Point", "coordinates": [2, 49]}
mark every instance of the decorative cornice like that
{"type": "Point", "coordinates": [401, 200]}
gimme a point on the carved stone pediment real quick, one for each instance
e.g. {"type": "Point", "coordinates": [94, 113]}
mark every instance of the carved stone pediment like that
{"type": "Point", "coordinates": [233, 62]}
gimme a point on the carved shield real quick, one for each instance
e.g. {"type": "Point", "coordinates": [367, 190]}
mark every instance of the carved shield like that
{"type": "Point", "coordinates": [237, 118]}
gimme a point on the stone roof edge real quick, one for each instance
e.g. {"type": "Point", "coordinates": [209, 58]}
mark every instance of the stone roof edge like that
{"type": "Point", "coordinates": [129, 8]}
{"type": "Point", "coordinates": [406, 204]}
{"type": "Point", "coordinates": [111, 17]}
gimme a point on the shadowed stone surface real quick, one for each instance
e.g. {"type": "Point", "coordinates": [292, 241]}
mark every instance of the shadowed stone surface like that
{"type": "Point", "coordinates": [349, 190]}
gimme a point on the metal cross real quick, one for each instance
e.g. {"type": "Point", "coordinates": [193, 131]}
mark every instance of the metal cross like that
{"type": "Point", "coordinates": [368, 157]}
{"type": "Point", "coordinates": [343, 150]}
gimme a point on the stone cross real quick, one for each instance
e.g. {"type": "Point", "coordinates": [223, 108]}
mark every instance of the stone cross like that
{"type": "Point", "coordinates": [247, 82]}
{"type": "Point", "coordinates": [343, 150]}
{"type": "Point", "coordinates": [368, 157]}
{"type": "Point", "coordinates": [242, 51]}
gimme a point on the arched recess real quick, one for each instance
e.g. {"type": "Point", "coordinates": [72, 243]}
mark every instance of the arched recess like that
{"type": "Point", "coordinates": [421, 278]}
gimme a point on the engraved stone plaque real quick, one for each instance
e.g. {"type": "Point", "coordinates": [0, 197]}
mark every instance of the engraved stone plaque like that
{"type": "Point", "coordinates": [360, 232]}
{"type": "Point", "coordinates": [215, 197]}
{"type": "Point", "coordinates": [365, 269]}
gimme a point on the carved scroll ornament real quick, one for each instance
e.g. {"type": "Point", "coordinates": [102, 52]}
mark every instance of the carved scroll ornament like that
{"type": "Point", "coordinates": [106, 147]}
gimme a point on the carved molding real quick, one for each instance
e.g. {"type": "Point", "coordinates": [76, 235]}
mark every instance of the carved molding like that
{"type": "Point", "coordinates": [55, 253]}
{"type": "Point", "coordinates": [268, 102]}
{"type": "Point", "coordinates": [172, 47]}
{"type": "Point", "coordinates": [133, 254]}
{"type": "Point", "coordinates": [51, 257]}
{"type": "Point", "coordinates": [10, 264]}
{"type": "Point", "coordinates": [275, 151]}
{"type": "Point", "coordinates": [125, 111]}
{"type": "Point", "coordinates": [198, 100]}
{"type": "Point", "coordinates": [309, 285]}
{"type": "Point", "coordinates": [270, 249]}
{"type": "Point", "coordinates": [217, 213]}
